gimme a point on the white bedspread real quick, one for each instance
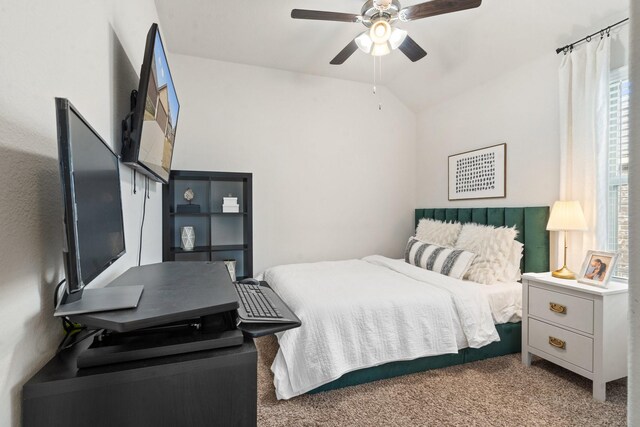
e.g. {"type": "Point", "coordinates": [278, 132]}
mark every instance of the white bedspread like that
{"type": "Point", "coordinates": [505, 299]}
{"type": "Point", "coordinates": [361, 313]}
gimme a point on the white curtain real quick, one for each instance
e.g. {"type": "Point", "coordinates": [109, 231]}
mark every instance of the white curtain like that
{"type": "Point", "coordinates": [584, 94]}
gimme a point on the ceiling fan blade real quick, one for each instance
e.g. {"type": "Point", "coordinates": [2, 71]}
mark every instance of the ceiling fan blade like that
{"type": "Point", "coordinates": [436, 7]}
{"type": "Point", "coordinates": [413, 51]}
{"type": "Point", "coordinates": [345, 53]}
{"type": "Point", "coordinates": [319, 15]}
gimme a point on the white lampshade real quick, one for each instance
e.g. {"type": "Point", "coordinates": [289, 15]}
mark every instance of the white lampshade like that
{"type": "Point", "coordinates": [567, 215]}
{"type": "Point", "coordinates": [397, 37]}
{"type": "Point", "coordinates": [380, 49]}
{"type": "Point", "coordinates": [364, 42]}
{"type": "Point", "coordinates": [380, 32]}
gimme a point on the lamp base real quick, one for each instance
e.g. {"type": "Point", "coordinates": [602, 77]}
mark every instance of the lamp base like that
{"type": "Point", "coordinates": [564, 273]}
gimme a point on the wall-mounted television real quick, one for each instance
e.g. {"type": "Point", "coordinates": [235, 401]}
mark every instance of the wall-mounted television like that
{"type": "Point", "coordinates": [149, 136]}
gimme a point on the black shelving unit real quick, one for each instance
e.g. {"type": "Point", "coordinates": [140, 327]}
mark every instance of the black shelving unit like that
{"type": "Point", "coordinates": [219, 236]}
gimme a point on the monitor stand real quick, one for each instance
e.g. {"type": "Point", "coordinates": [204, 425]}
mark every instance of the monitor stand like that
{"type": "Point", "coordinates": [101, 299]}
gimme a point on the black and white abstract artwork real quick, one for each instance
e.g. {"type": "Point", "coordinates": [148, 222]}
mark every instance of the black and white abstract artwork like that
{"type": "Point", "coordinates": [478, 174]}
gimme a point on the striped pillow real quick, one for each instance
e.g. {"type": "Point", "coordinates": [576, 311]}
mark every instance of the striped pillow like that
{"type": "Point", "coordinates": [450, 262]}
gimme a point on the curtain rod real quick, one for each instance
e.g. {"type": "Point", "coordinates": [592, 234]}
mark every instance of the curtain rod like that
{"type": "Point", "coordinates": [602, 32]}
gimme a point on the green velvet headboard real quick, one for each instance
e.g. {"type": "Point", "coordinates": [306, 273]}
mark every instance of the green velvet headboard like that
{"type": "Point", "coordinates": [531, 223]}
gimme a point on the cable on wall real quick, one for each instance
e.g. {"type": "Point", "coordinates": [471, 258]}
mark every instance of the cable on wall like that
{"type": "Point", "coordinates": [135, 190]}
{"type": "Point", "coordinates": [144, 213]}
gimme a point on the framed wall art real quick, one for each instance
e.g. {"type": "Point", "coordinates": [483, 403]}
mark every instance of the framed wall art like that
{"type": "Point", "coordinates": [478, 174]}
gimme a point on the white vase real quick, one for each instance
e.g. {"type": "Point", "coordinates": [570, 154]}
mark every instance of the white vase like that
{"type": "Point", "coordinates": [231, 267]}
{"type": "Point", "coordinates": [187, 238]}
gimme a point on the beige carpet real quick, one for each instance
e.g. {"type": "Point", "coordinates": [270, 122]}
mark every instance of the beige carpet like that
{"type": "Point", "coordinates": [494, 392]}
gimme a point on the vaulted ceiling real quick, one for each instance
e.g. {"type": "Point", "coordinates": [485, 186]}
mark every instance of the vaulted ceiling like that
{"type": "Point", "coordinates": [465, 49]}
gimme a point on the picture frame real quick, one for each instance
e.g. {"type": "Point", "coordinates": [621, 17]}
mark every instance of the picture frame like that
{"type": "Point", "coordinates": [592, 272]}
{"type": "Point", "coordinates": [478, 174]}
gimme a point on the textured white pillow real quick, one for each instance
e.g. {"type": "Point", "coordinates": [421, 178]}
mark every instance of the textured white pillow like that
{"type": "Point", "coordinates": [438, 232]}
{"type": "Point", "coordinates": [512, 272]}
{"type": "Point", "coordinates": [492, 247]}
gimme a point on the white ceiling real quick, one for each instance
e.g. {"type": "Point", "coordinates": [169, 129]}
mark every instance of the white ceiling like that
{"type": "Point", "coordinates": [464, 49]}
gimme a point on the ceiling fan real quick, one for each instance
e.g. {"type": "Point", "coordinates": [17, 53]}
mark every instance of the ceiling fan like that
{"type": "Point", "coordinates": [380, 17]}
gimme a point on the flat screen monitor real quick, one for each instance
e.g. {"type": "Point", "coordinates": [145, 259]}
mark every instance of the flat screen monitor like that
{"type": "Point", "coordinates": [149, 146]}
{"type": "Point", "coordinates": [89, 170]}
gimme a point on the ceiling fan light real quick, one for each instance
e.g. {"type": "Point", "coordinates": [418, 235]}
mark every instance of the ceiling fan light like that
{"type": "Point", "coordinates": [397, 38]}
{"type": "Point", "coordinates": [380, 49]}
{"type": "Point", "coordinates": [364, 42]}
{"type": "Point", "coordinates": [380, 32]}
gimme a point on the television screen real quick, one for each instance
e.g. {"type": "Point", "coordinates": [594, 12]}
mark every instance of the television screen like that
{"type": "Point", "coordinates": [91, 190]}
{"type": "Point", "coordinates": [156, 113]}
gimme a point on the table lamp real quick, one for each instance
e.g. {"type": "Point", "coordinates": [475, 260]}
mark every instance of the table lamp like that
{"type": "Point", "coordinates": [566, 216]}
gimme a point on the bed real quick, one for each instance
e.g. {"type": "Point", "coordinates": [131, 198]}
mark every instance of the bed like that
{"type": "Point", "coordinates": [376, 317]}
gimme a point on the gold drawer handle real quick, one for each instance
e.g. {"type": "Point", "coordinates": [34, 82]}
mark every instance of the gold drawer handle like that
{"type": "Point", "coordinates": [557, 308]}
{"type": "Point", "coordinates": [557, 342]}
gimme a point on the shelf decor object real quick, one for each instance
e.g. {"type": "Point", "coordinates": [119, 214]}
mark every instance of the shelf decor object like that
{"type": "Point", "coordinates": [187, 238]}
{"type": "Point", "coordinates": [566, 216]}
{"type": "Point", "coordinates": [189, 195]}
{"type": "Point", "coordinates": [478, 174]}
{"type": "Point", "coordinates": [218, 235]}
{"type": "Point", "coordinates": [231, 268]}
{"type": "Point", "coordinates": [230, 204]}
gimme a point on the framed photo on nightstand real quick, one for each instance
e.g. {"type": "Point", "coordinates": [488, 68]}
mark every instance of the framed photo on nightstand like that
{"type": "Point", "coordinates": [597, 268]}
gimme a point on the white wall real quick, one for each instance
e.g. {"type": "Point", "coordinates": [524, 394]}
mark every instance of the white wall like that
{"type": "Point", "coordinates": [520, 108]}
{"type": "Point", "coordinates": [333, 176]}
{"type": "Point", "coordinates": [89, 52]}
{"type": "Point", "coordinates": [633, 402]}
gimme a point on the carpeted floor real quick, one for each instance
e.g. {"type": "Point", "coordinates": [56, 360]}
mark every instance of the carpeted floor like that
{"type": "Point", "coordinates": [494, 392]}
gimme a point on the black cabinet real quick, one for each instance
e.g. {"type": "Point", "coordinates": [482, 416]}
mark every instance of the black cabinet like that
{"type": "Point", "coordinates": [219, 235]}
{"type": "Point", "coordinates": [205, 388]}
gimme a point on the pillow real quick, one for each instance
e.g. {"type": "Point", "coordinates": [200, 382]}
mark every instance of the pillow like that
{"type": "Point", "coordinates": [450, 262]}
{"type": "Point", "coordinates": [438, 232]}
{"type": "Point", "coordinates": [512, 272]}
{"type": "Point", "coordinates": [492, 247]}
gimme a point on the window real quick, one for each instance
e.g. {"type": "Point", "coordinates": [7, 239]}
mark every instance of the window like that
{"type": "Point", "coordinates": [618, 170]}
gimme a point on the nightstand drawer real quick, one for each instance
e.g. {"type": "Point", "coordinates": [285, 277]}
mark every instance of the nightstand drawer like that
{"type": "Point", "coordinates": [561, 343]}
{"type": "Point", "coordinates": [562, 309]}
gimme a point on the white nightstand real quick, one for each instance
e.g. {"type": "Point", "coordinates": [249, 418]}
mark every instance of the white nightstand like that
{"type": "Point", "coordinates": [580, 327]}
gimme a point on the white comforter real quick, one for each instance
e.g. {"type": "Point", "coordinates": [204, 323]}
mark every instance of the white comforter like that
{"type": "Point", "coordinates": [361, 313]}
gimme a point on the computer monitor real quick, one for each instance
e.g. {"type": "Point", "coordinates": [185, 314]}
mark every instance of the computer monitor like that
{"type": "Point", "coordinates": [93, 219]}
{"type": "Point", "coordinates": [149, 137]}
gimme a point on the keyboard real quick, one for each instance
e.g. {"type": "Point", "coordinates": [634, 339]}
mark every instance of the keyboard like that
{"type": "Point", "coordinates": [256, 304]}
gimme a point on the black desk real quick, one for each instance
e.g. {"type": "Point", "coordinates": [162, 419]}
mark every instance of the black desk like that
{"type": "Point", "coordinates": [206, 388]}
